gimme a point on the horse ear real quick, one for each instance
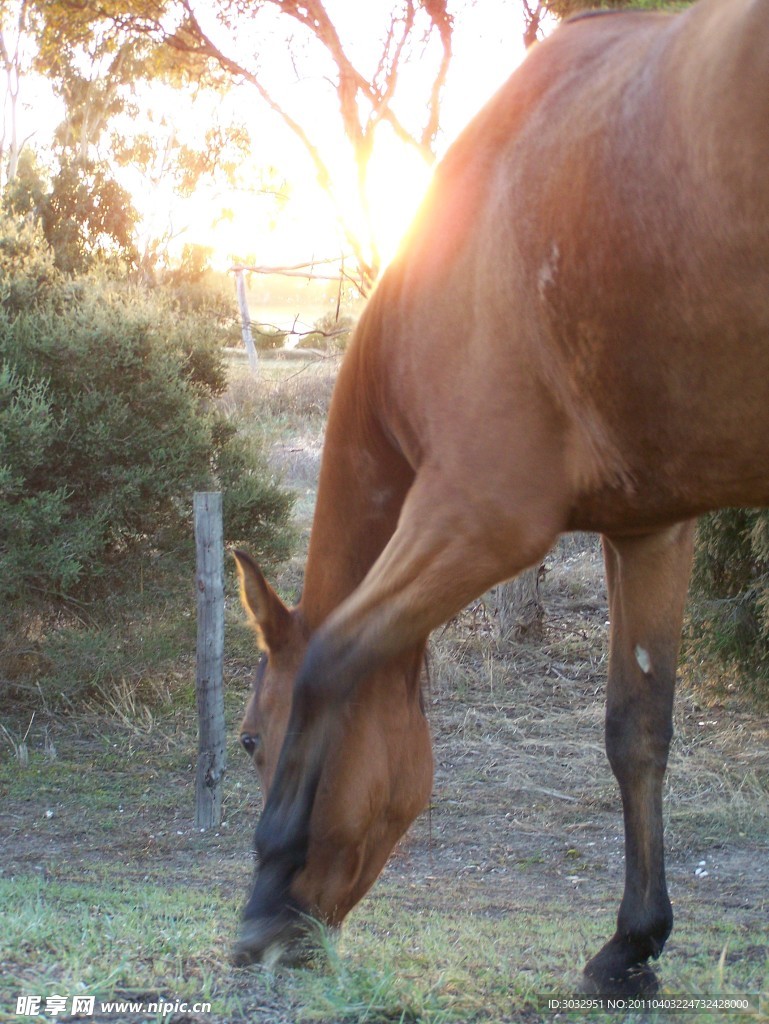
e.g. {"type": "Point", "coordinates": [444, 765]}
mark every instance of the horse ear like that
{"type": "Point", "coordinates": [267, 613]}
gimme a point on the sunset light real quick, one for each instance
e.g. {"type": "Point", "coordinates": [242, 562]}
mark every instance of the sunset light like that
{"type": "Point", "coordinates": [305, 221]}
{"type": "Point", "coordinates": [273, 208]}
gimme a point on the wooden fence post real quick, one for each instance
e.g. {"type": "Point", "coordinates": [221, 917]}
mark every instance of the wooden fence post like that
{"type": "Point", "coordinates": [209, 580]}
{"type": "Point", "coordinates": [245, 319]}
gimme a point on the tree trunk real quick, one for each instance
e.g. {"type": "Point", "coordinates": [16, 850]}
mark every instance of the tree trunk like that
{"type": "Point", "coordinates": [519, 608]}
{"type": "Point", "coordinates": [245, 320]}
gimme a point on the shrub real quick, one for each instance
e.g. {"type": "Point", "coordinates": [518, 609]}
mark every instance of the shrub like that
{"type": "Point", "coordinates": [106, 437]}
{"type": "Point", "coordinates": [203, 305]}
{"type": "Point", "coordinates": [267, 338]}
{"type": "Point", "coordinates": [331, 333]}
{"type": "Point", "coordinates": [256, 512]}
{"type": "Point", "coordinates": [106, 429]}
{"type": "Point", "coordinates": [125, 438]}
{"type": "Point", "coordinates": [730, 587]}
{"type": "Point", "coordinates": [27, 269]}
{"type": "Point", "coordinates": [35, 545]}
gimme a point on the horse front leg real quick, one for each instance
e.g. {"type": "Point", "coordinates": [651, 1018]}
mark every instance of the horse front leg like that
{"type": "Point", "coordinates": [647, 581]}
{"type": "Point", "coordinates": [443, 553]}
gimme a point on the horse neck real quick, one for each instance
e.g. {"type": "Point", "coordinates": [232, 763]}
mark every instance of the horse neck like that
{"type": "Point", "coordinates": [363, 482]}
{"type": "Point", "coordinates": [721, 72]}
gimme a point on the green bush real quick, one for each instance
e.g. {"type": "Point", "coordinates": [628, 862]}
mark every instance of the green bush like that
{"type": "Point", "coordinates": [35, 547]}
{"type": "Point", "coordinates": [124, 438]}
{"type": "Point", "coordinates": [27, 270]}
{"type": "Point", "coordinates": [730, 588]}
{"type": "Point", "coordinates": [203, 304]}
{"type": "Point", "coordinates": [267, 338]}
{"type": "Point", "coordinates": [105, 437]}
{"type": "Point", "coordinates": [106, 429]}
{"type": "Point", "coordinates": [255, 510]}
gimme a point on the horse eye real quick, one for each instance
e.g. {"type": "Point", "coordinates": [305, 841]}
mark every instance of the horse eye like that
{"type": "Point", "coordinates": [250, 743]}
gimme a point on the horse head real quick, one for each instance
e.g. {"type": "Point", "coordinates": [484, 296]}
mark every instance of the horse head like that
{"type": "Point", "coordinates": [375, 780]}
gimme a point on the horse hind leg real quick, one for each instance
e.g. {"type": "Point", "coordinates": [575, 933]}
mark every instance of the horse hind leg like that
{"type": "Point", "coordinates": [647, 581]}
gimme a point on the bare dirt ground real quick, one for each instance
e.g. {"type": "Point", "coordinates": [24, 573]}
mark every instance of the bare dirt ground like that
{"type": "Point", "coordinates": [524, 817]}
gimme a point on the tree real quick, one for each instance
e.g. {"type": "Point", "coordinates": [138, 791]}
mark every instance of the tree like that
{"type": "Point", "coordinates": [518, 608]}
{"type": "Point", "coordinates": [105, 76]}
{"type": "Point", "coordinates": [83, 211]}
{"type": "Point", "coordinates": [16, 63]}
{"type": "Point", "coordinates": [163, 160]}
{"type": "Point", "coordinates": [68, 190]}
{"type": "Point", "coordinates": [227, 38]}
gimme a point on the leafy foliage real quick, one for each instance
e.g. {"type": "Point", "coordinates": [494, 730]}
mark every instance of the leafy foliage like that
{"type": "Point", "coordinates": [94, 49]}
{"type": "Point", "coordinates": [731, 590]}
{"type": "Point", "coordinates": [267, 338]}
{"type": "Point", "coordinates": [84, 214]}
{"type": "Point", "coordinates": [331, 333]}
{"type": "Point", "coordinates": [106, 429]}
{"type": "Point", "coordinates": [106, 432]}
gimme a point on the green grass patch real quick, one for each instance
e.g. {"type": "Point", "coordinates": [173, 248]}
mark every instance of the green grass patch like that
{"type": "Point", "coordinates": [111, 939]}
{"type": "Point", "coordinates": [94, 908]}
{"type": "Point", "coordinates": [91, 906]}
{"type": "Point", "coordinates": [115, 939]}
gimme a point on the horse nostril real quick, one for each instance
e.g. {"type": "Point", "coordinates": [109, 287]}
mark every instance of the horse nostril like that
{"type": "Point", "coordinates": [248, 743]}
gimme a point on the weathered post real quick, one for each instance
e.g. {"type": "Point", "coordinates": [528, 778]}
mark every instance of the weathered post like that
{"type": "Point", "coordinates": [209, 580]}
{"type": "Point", "coordinates": [245, 319]}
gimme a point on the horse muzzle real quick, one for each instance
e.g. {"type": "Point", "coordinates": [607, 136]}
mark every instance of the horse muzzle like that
{"type": "Point", "coordinates": [289, 938]}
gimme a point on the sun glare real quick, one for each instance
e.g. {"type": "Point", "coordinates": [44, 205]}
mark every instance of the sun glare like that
{"type": "Point", "coordinates": [248, 223]}
{"type": "Point", "coordinates": [398, 179]}
{"type": "Point", "coordinates": [307, 227]}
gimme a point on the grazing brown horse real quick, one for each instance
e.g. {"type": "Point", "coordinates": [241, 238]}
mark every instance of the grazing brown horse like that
{"type": "Point", "coordinates": [575, 336]}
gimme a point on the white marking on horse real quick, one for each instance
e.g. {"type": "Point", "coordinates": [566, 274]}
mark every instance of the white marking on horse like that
{"type": "Point", "coordinates": [548, 270]}
{"type": "Point", "coordinates": [643, 659]}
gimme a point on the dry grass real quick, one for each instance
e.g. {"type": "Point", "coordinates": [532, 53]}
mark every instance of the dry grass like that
{"type": "Point", "coordinates": [283, 395]}
{"type": "Point", "coordinates": [532, 722]}
{"type": "Point", "coordinates": [287, 404]}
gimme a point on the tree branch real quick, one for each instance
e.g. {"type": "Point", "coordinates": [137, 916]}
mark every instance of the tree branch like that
{"type": "Point", "coordinates": [444, 23]}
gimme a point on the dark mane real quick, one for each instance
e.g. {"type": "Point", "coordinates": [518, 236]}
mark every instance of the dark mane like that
{"type": "Point", "coordinates": [601, 11]}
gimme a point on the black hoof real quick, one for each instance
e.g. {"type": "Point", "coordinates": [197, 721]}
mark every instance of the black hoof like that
{"type": "Point", "coordinates": [617, 971]}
